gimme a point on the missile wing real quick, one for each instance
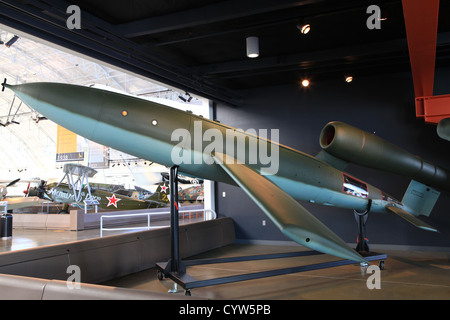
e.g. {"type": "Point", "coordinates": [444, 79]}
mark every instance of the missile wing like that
{"type": "Point", "coordinates": [288, 215]}
{"type": "Point", "coordinates": [411, 218]}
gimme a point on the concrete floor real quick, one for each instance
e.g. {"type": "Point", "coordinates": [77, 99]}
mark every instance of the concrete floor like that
{"type": "Point", "coordinates": [407, 275]}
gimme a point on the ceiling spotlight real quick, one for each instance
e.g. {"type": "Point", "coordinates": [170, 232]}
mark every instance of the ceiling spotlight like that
{"type": "Point", "coordinates": [305, 82]}
{"type": "Point", "coordinates": [383, 15]}
{"type": "Point", "coordinates": [186, 98]}
{"type": "Point", "coordinates": [304, 28]}
{"type": "Point", "coordinates": [348, 79]}
{"type": "Point", "coordinates": [252, 47]}
{"type": "Point", "coordinates": [11, 41]}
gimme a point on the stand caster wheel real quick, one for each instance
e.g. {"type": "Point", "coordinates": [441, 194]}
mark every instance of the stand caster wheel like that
{"type": "Point", "coordinates": [160, 275]}
{"type": "Point", "coordinates": [187, 293]}
{"type": "Point", "coordinates": [381, 264]}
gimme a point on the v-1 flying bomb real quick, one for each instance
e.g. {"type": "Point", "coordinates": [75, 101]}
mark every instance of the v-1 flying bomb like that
{"type": "Point", "coordinates": [200, 147]}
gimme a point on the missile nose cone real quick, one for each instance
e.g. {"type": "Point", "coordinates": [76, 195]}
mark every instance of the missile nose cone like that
{"type": "Point", "coordinates": [75, 108]}
{"type": "Point", "coordinates": [119, 121]}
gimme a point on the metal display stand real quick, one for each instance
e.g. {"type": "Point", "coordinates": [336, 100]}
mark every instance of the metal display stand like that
{"type": "Point", "coordinates": [175, 269]}
{"type": "Point", "coordinates": [362, 243]}
{"type": "Point", "coordinates": [174, 265]}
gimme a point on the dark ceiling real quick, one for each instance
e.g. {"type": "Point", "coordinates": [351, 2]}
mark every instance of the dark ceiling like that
{"type": "Point", "coordinates": [199, 45]}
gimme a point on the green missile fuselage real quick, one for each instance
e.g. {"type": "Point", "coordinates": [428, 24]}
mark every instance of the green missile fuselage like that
{"type": "Point", "coordinates": [272, 175]}
{"type": "Point", "coordinates": [144, 129]}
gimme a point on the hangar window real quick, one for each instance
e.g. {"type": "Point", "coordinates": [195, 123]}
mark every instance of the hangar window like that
{"type": "Point", "coordinates": [355, 187]}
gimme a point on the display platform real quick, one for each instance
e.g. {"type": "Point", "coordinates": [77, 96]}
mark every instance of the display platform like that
{"type": "Point", "coordinates": [409, 274]}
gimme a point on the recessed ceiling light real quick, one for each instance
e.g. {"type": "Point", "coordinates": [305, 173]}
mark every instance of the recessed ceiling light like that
{"type": "Point", "coordinates": [304, 28]}
{"type": "Point", "coordinates": [305, 82]}
{"type": "Point", "coordinates": [252, 47]}
{"type": "Point", "coordinates": [348, 79]}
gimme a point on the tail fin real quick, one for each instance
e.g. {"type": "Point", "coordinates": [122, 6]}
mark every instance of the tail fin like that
{"type": "Point", "coordinates": [161, 194]}
{"type": "Point", "coordinates": [420, 199]}
{"type": "Point", "coordinates": [411, 218]}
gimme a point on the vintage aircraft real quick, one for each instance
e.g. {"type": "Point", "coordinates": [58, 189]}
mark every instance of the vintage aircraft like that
{"type": "Point", "coordinates": [61, 192]}
{"type": "Point", "coordinates": [12, 203]}
{"type": "Point", "coordinates": [76, 190]}
{"type": "Point", "coordinates": [191, 194]}
{"type": "Point", "coordinates": [171, 137]}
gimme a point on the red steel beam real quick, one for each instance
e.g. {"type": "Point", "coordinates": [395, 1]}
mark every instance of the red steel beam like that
{"type": "Point", "coordinates": [421, 22]}
{"type": "Point", "coordinates": [435, 108]}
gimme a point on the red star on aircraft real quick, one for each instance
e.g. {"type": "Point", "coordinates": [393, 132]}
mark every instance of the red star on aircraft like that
{"type": "Point", "coordinates": [113, 200]}
{"type": "Point", "coordinates": [164, 188]}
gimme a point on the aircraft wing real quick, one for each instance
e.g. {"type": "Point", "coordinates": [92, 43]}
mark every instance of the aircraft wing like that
{"type": "Point", "coordinates": [293, 220]}
{"type": "Point", "coordinates": [411, 218]}
{"type": "Point", "coordinates": [22, 202]}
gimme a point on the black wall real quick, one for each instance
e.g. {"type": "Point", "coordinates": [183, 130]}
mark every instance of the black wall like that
{"type": "Point", "coordinates": [383, 105]}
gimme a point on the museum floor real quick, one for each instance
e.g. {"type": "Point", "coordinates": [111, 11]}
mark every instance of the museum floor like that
{"type": "Point", "coordinates": [407, 275]}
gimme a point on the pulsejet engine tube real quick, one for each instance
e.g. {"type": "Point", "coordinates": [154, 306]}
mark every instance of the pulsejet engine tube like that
{"type": "Point", "coordinates": [353, 145]}
{"type": "Point", "coordinates": [443, 129]}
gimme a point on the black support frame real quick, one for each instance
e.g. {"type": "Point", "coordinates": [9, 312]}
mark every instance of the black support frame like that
{"type": "Point", "coordinates": [175, 268]}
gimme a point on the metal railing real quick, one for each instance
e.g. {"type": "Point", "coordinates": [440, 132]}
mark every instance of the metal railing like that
{"type": "Point", "coordinates": [208, 214]}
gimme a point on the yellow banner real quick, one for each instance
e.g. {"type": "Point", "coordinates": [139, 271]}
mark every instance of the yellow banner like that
{"type": "Point", "coordinates": [66, 141]}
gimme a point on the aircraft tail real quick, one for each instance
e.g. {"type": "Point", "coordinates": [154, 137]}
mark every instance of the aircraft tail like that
{"type": "Point", "coordinates": [420, 199]}
{"type": "Point", "coordinates": [161, 194]}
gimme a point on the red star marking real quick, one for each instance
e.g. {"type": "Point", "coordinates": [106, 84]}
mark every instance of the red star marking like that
{"type": "Point", "coordinates": [113, 200]}
{"type": "Point", "coordinates": [164, 188]}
